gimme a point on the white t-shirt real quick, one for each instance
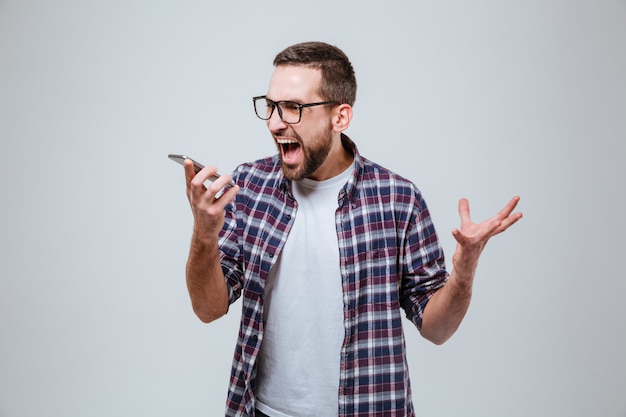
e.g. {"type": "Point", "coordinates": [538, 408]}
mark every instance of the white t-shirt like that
{"type": "Point", "coordinates": [298, 364]}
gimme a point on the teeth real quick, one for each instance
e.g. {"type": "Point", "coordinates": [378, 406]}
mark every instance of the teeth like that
{"type": "Point", "coordinates": [286, 141]}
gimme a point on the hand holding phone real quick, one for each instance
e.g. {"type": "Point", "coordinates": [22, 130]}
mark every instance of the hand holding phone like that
{"type": "Point", "coordinates": [197, 166]}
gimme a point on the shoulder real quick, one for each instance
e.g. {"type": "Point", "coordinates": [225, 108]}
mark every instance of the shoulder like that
{"type": "Point", "coordinates": [377, 178]}
{"type": "Point", "coordinates": [258, 172]}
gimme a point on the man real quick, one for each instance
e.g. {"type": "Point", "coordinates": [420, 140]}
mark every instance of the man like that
{"type": "Point", "coordinates": [325, 248]}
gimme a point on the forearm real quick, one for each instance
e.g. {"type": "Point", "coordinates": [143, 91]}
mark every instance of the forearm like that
{"type": "Point", "coordinates": [205, 281]}
{"type": "Point", "coordinates": [447, 308]}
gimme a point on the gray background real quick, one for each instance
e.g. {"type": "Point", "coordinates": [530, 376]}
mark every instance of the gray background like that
{"type": "Point", "coordinates": [482, 99]}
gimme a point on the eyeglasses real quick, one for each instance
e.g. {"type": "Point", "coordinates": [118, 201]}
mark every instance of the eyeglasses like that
{"type": "Point", "coordinates": [289, 112]}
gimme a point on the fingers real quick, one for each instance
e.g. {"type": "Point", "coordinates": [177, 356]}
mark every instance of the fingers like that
{"type": "Point", "coordinates": [204, 186]}
{"type": "Point", "coordinates": [508, 222]}
{"type": "Point", "coordinates": [477, 234]}
{"type": "Point", "coordinates": [470, 232]}
{"type": "Point", "coordinates": [508, 209]}
{"type": "Point", "coordinates": [506, 218]}
{"type": "Point", "coordinates": [464, 210]}
{"type": "Point", "coordinates": [459, 237]}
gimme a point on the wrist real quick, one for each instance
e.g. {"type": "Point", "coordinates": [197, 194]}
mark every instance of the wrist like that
{"type": "Point", "coordinates": [462, 280]}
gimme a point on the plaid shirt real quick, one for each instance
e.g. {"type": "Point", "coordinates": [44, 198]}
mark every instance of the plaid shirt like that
{"type": "Point", "coordinates": [390, 257]}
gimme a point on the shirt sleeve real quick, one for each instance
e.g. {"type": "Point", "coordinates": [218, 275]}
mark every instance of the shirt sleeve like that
{"type": "Point", "coordinates": [424, 269]}
{"type": "Point", "coordinates": [230, 242]}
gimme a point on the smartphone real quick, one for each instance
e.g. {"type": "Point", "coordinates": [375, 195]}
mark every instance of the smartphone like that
{"type": "Point", "coordinates": [197, 166]}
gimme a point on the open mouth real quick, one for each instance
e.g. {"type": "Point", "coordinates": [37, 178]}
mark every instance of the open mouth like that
{"type": "Point", "coordinates": [290, 150]}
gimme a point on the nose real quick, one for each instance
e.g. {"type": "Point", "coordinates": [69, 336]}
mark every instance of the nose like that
{"type": "Point", "coordinates": [275, 123]}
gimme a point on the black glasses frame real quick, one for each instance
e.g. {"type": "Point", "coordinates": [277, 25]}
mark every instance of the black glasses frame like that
{"type": "Point", "coordinates": [277, 105]}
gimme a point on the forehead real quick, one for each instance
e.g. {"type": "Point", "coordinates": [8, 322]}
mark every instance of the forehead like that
{"type": "Point", "coordinates": [297, 83]}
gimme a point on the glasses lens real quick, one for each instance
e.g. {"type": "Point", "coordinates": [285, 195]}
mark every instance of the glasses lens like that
{"type": "Point", "coordinates": [263, 108]}
{"type": "Point", "coordinates": [288, 111]}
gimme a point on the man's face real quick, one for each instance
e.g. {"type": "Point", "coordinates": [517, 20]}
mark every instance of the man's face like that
{"type": "Point", "coordinates": [303, 147]}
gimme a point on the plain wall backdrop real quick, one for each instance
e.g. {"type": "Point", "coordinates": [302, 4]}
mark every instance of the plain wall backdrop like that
{"type": "Point", "coordinates": [484, 99]}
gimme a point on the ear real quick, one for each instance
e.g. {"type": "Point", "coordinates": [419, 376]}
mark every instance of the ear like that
{"type": "Point", "coordinates": [342, 116]}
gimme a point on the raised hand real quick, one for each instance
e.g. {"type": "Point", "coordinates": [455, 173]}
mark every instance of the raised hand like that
{"type": "Point", "coordinates": [207, 204]}
{"type": "Point", "coordinates": [472, 237]}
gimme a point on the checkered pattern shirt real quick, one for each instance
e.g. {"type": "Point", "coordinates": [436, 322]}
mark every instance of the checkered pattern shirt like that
{"type": "Point", "coordinates": [390, 258]}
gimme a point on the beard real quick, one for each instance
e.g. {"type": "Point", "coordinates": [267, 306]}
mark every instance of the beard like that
{"type": "Point", "coordinates": [314, 153]}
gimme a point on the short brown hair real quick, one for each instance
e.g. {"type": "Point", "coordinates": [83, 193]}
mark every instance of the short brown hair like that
{"type": "Point", "coordinates": [338, 79]}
